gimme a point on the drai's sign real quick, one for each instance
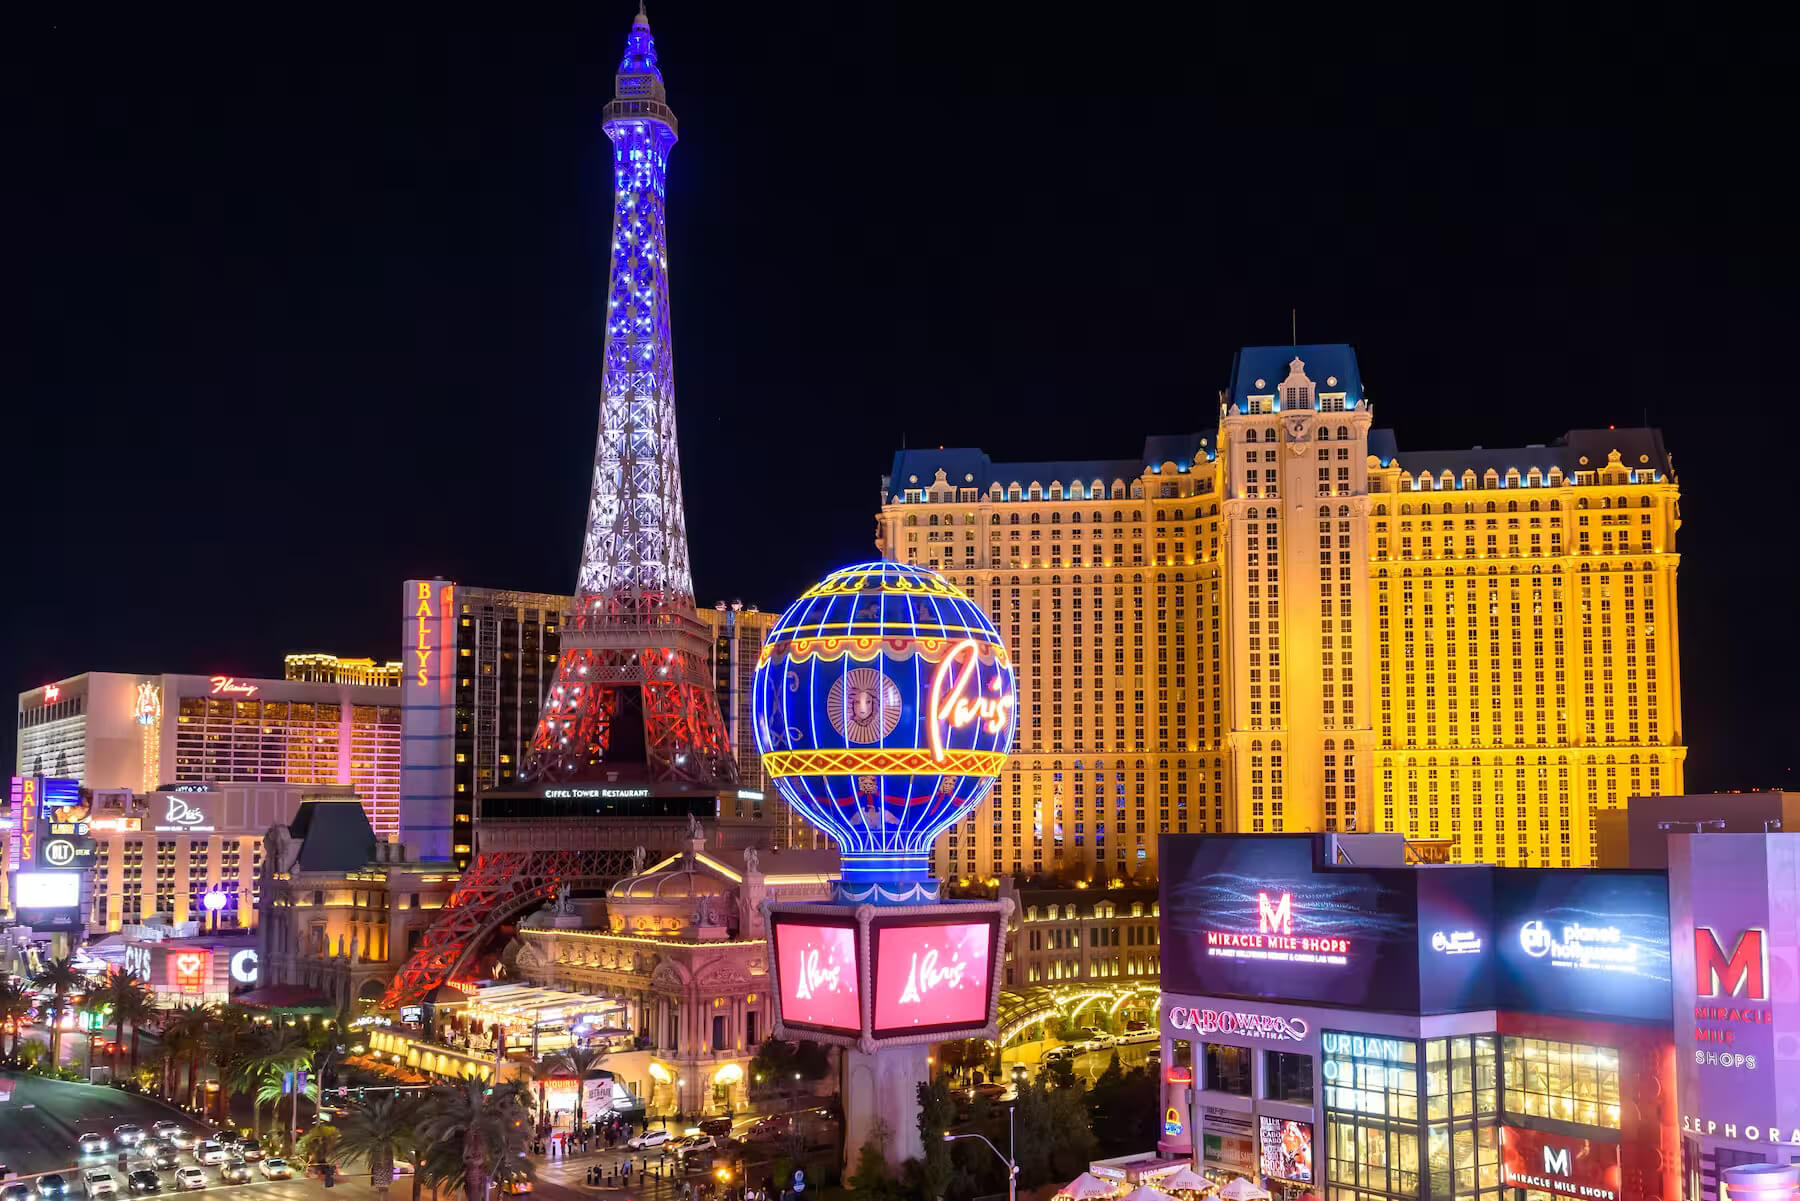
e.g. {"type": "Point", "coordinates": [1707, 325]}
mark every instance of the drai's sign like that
{"type": "Point", "coordinates": [1570, 944]}
{"type": "Point", "coordinates": [1456, 942]}
{"type": "Point", "coordinates": [183, 815]}
{"type": "Point", "coordinates": [595, 794]}
{"type": "Point", "coordinates": [1248, 1025]}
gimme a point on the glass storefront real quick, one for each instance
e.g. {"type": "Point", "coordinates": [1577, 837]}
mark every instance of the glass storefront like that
{"type": "Point", "coordinates": [1379, 1146]}
{"type": "Point", "coordinates": [1569, 1082]}
{"type": "Point", "coordinates": [1288, 1077]}
{"type": "Point", "coordinates": [1228, 1069]}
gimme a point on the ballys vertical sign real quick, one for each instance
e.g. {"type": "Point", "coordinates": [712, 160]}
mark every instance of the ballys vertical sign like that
{"type": "Point", "coordinates": [425, 614]}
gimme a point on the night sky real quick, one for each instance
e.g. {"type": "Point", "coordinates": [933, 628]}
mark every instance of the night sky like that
{"type": "Point", "coordinates": [307, 311]}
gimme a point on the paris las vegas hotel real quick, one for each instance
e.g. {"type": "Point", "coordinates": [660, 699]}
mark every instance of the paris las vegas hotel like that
{"type": "Point", "coordinates": [1290, 624]}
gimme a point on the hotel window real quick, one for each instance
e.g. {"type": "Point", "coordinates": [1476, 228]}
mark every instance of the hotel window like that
{"type": "Point", "coordinates": [1568, 1082]}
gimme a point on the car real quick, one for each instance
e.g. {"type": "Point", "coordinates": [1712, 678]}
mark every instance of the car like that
{"type": "Point", "coordinates": [210, 1151]}
{"type": "Point", "coordinates": [93, 1144]}
{"type": "Point", "coordinates": [992, 1092]}
{"type": "Point", "coordinates": [648, 1139]}
{"type": "Point", "coordinates": [129, 1135]}
{"type": "Point", "coordinates": [50, 1184]}
{"type": "Point", "coordinates": [234, 1171]}
{"type": "Point", "coordinates": [161, 1155]}
{"type": "Point", "coordinates": [145, 1181]}
{"type": "Point", "coordinates": [189, 1177]}
{"type": "Point", "coordinates": [402, 1168]}
{"type": "Point", "coordinates": [276, 1168]}
{"type": "Point", "coordinates": [698, 1142]}
{"type": "Point", "coordinates": [776, 1125]}
{"type": "Point", "coordinates": [183, 1139]}
{"type": "Point", "coordinates": [165, 1129]}
{"type": "Point", "coordinates": [516, 1185]}
{"type": "Point", "coordinates": [100, 1183]}
{"type": "Point", "coordinates": [246, 1147]}
{"type": "Point", "coordinates": [1058, 1053]}
{"type": "Point", "coordinates": [18, 1190]}
{"type": "Point", "coordinates": [717, 1127]}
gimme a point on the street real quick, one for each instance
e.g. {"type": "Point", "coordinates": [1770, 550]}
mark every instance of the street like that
{"type": "Point", "coordinates": [39, 1126]}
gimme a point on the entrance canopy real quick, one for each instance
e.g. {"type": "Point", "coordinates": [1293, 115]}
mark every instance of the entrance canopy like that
{"type": "Point", "coordinates": [528, 1007]}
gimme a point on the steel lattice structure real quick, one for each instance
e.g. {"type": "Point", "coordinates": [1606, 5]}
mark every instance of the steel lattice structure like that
{"type": "Point", "coordinates": [635, 654]}
{"type": "Point", "coordinates": [496, 889]}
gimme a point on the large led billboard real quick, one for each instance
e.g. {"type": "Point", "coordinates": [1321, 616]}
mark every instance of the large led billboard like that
{"type": "Point", "coordinates": [1252, 917]}
{"type": "Point", "coordinates": [1585, 943]}
{"type": "Point", "coordinates": [932, 976]}
{"type": "Point", "coordinates": [46, 890]}
{"type": "Point", "coordinates": [816, 973]}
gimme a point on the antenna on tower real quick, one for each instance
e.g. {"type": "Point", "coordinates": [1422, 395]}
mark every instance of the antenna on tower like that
{"type": "Point", "coordinates": [1294, 327]}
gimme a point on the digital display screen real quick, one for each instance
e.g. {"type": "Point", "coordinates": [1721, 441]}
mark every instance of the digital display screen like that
{"type": "Point", "coordinates": [1287, 1149]}
{"type": "Point", "coordinates": [46, 890]}
{"type": "Point", "coordinates": [932, 976]}
{"type": "Point", "coordinates": [817, 966]}
{"type": "Point", "coordinates": [1541, 1162]}
{"type": "Point", "coordinates": [189, 971]}
{"type": "Point", "coordinates": [1251, 917]}
{"type": "Point", "coordinates": [1589, 943]}
{"type": "Point", "coordinates": [1456, 939]}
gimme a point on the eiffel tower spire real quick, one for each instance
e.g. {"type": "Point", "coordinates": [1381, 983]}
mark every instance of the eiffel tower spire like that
{"type": "Point", "coordinates": [633, 697]}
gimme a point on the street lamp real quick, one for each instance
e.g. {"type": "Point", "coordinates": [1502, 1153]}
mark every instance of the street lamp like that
{"type": "Point", "coordinates": [1012, 1167]}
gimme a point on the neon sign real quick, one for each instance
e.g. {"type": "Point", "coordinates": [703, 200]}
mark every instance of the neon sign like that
{"type": "Point", "coordinates": [51, 692]}
{"type": "Point", "coordinates": [1248, 1025]}
{"type": "Point", "coordinates": [1275, 938]}
{"type": "Point", "coordinates": [244, 967]}
{"type": "Point", "coordinates": [1589, 947]}
{"type": "Point", "coordinates": [229, 686]}
{"type": "Point", "coordinates": [422, 614]}
{"type": "Point", "coordinates": [1743, 973]}
{"type": "Point", "coordinates": [818, 975]}
{"type": "Point", "coordinates": [932, 975]}
{"type": "Point", "coordinates": [952, 706]}
{"type": "Point", "coordinates": [1172, 1121]}
{"type": "Point", "coordinates": [182, 816]}
{"type": "Point", "coordinates": [188, 970]}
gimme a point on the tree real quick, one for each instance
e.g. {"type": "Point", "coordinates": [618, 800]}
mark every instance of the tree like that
{"type": "Point", "coordinates": [226, 1032]}
{"type": "Point", "coordinates": [475, 1135]}
{"type": "Point", "coordinates": [871, 1180]}
{"type": "Point", "coordinates": [377, 1133]}
{"type": "Point", "coordinates": [319, 1146]}
{"type": "Point", "coordinates": [130, 1004]}
{"type": "Point", "coordinates": [581, 1061]}
{"type": "Point", "coordinates": [937, 1112]}
{"type": "Point", "coordinates": [183, 1036]}
{"type": "Point", "coordinates": [275, 1086]}
{"type": "Point", "coordinates": [63, 980]}
{"type": "Point", "coordinates": [1125, 1108]}
{"type": "Point", "coordinates": [260, 1066]}
{"type": "Point", "coordinates": [15, 1007]}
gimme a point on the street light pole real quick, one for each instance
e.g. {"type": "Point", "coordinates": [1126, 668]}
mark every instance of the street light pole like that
{"type": "Point", "coordinates": [1012, 1167]}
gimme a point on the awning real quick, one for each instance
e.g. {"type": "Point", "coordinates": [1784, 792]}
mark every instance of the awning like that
{"type": "Point", "coordinates": [285, 998]}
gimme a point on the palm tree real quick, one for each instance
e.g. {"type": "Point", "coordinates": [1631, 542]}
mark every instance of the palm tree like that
{"type": "Point", "coordinates": [225, 1046]}
{"type": "Point", "coordinates": [63, 979]}
{"type": "Point", "coordinates": [15, 1006]}
{"type": "Point", "coordinates": [274, 1088]}
{"type": "Point", "coordinates": [184, 1032]}
{"type": "Point", "coordinates": [131, 1003]}
{"type": "Point", "coordinates": [475, 1135]}
{"type": "Point", "coordinates": [378, 1133]}
{"type": "Point", "coordinates": [581, 1061]}
{"type": "Point", "coordinates": [260, 1066]}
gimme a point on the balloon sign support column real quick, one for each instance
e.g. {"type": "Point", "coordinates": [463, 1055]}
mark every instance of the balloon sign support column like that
{"type": "Point", "coordinates": [885, 708]}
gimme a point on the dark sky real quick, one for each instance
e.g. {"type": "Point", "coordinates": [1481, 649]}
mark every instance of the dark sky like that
{"type": "Point", "coordinates": [308, 310]}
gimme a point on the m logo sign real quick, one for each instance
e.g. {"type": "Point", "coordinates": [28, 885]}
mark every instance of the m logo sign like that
{"type": "Point", "coordinates": [1275, 917]}
{"type": "Point", "coordinates": [1556, 1161]}
{"type": "Point", "coordinates": [1743, 973]}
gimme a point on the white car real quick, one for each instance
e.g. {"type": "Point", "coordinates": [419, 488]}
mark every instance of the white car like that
{"type": "Point", "coordinates": [93, 1144]}
{"type": "Point", "coordinates": [187, 1178]}
{"type": "Point", "coordinates": [165, 1129]}
{"type": "Point", "coordinates": [100, 1183]}
{"type": "Point", "coordinates": [210, 1152]}
{"type": "Point", "coordinates": [648, 1139]}
{"type": "Point", "coordinates": [129, 1135]}
{"type": "Point", "coordinates": [275, 1169]}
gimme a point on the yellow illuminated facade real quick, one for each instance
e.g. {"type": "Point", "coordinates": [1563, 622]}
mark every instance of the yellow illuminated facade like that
{"type": "Point", "coordinates": [330, 669]}
{"type": "Point", "coordinates": [1287, 624]}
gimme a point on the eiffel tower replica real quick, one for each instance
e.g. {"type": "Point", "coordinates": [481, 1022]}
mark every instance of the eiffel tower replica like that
{"type": "Point", "coordinates": [633, 711]}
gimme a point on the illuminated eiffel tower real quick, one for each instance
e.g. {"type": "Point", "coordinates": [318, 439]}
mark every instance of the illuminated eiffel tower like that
{"type": "Point", "coordinates": [633, 703]}
{"type": "Point", "coordinates": [633, 697]}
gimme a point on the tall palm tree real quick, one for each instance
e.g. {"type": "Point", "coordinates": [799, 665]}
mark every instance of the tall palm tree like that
{"type": "Point", "coordinates": [184, 1032]}
{"type": "Point", "coordinates": [15, 1005]}
{"type": "Point", "coordinates": [378, 1133]}
{"type": "Point", "coordinates": [476, 1135]}
{"type": "Point", "coordinates": [131, 1004]}
{"type": "Point", "coordinates": [63, 979]}
{"type": "Point", "coordinates": [225, 1034]}
{"type": "Point", "coordinates": [582, 1062]}
{"type": "Point", "coordinates": [274, 1088]}
{"type": "Point", "coordinates": [261, 1063]}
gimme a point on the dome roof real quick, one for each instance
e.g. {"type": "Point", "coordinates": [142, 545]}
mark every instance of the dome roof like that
{"type": "Point", "coordinates": [678, 885]}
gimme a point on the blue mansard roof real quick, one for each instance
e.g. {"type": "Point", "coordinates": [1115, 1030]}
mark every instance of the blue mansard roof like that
{"type": "Point", "coordinates": [968, 467]}
{"type": "Point", "coordinates": [1259, 370]}
{"type": "Point", "coordinates": [1578, 450]}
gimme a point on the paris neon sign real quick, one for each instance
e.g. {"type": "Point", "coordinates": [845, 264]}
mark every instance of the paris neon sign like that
{"type": "Point", "coordinates": [957, 701]}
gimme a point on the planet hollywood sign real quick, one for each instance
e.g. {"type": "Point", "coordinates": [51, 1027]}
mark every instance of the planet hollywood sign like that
{"type": "Point", "coordinates": [1247, 1025]}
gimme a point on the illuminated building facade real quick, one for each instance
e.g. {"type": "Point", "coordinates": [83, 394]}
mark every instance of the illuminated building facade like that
{"type": "Point", "coordinates": [1286, 623]}
{"type": "Point", "coordinates": [113, 730]}
{"type": "Point", "coordinates": [737, 637]}
{"type": "Point", "coordinates": [330, 669]}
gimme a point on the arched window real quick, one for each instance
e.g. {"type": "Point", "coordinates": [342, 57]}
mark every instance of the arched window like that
{"type": "Point", "coordinates": [1056, 519]}
{"type": "Point", "coordinates": [1343, 434]}
{"type": "Point", "coordinates": [1270, 513]}
{"type": "Point", "coordinates": [934, 519]}
{"type": "Point", "coordinates": [1075, 517]}
{"type": "Point", "coordinates": [1343, 510]}
{"type": "Point", "coordinates": [1490, 507]}
{"type": "Point", "coordinates": [1512, 506]}
{"type": "Point", "coordinates": [1324, 510]}
{"type": "Point", "coordinates": [1117, 516]}
{"type": "Point", "coordinates": [1037, 519]}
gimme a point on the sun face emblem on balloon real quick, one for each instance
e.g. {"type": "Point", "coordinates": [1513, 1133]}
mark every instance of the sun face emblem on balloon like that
{"type": "Point", "coordinates": [863, 705]}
